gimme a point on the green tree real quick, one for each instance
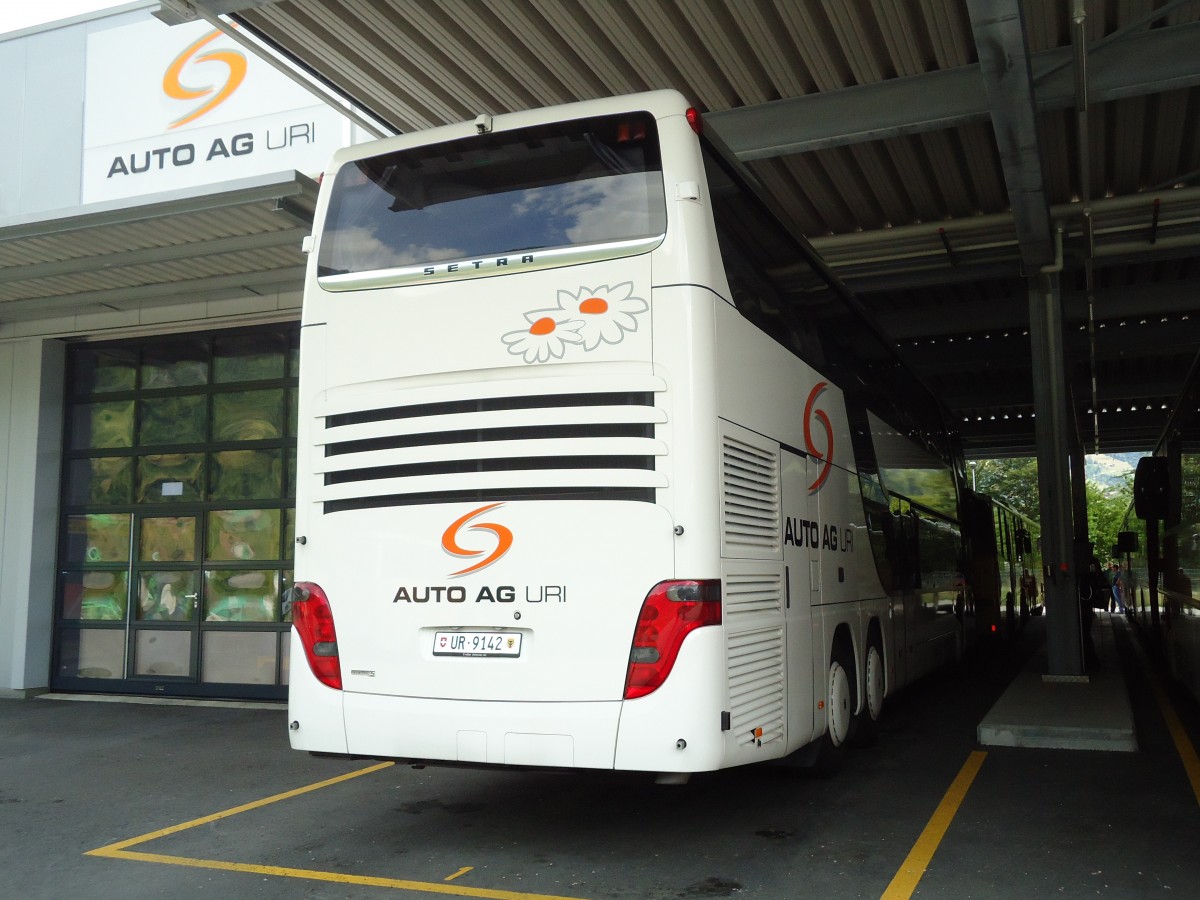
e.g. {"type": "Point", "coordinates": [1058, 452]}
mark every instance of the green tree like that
{"type": "Point", "coordinates": [1011, 481]}
{"type": "Point", "coordinates": [1106, 511]}
{"type": "Point", "coordinates": [1015, 482]}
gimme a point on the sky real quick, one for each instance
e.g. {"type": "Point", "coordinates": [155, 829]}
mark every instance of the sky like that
{"type": "Point", "coordinates": [17, 15]}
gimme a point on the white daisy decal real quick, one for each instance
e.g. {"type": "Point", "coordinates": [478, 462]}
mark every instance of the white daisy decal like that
{"type": "Point", "coordinates": [606, 312]}
{"type": "Point", "coordinates": [546, 338]}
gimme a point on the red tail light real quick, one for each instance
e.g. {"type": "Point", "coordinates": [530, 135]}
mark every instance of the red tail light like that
{"type": "Point", "coordinates": [631, 131]}
{"type": "Point", "coordinates": [313, 619]}
{"type": "Point", "coordinates": [695, 120]}
{"type": "Point", "coordinates": [669, 613]}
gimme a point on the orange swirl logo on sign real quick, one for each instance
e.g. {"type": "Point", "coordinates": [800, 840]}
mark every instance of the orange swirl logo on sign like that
{"type": "Point", "coordinates": [825, 456]}
{"type": "Point", "coordinates": [174, 87]}
{"type": "Point", "coordinates": [504, 539]}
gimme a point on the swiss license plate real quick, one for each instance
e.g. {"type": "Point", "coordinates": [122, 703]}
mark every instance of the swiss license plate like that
{"type": "Point", "coordinates": [477, 643]}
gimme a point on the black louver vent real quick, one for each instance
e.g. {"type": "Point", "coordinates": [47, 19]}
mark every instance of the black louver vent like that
{"type": "Point", "coordinates": [597, 446]}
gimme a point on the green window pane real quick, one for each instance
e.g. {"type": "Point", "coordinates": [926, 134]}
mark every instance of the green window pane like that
{"type": "Point", "coordinates": [102, 425]}
{"type": "Point", "coordinates": [178, 364]}
{"type": "Point", "coordinates": [289, 533]}
{"type": "Point", "coordinates": [241, 595]}
{"type": "Point", "coordinates": [293, 416]}
{"type": "Point", "coordinates": [170, 477]}
{"type": "Point", "coordinates": [96, 596]}
{"type": "Point", "coordinates": [246, 475]}
{"type": "Point", "coordinates": [103, 371]}
{"type": "Point", "coordinates": [285, 586]}
{"type": "Point", "coordinates": [98, 538]}
{"type": "Point", "coordinates": [290, 484]}
{"type": "Point", "coordinates": [248, 415]}
{"type": "Point", "coordinates": [167, 596]}
{"type": "Point", "coordinates": [100, 481]}
{"type": "Point", "coordinates": [242, 534]}
{"type": "Point", "coordinates": [173, 420]}
{"type": "Point", "coordinates": [294, 357]}
{"type": "Point", "coordinates": [168, 539]}
{"type": "Point", "coordinates": [254, 357]}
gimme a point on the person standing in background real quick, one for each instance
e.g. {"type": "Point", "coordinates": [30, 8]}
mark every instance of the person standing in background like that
{"type": "Point", "coordinates": [1117, 603]}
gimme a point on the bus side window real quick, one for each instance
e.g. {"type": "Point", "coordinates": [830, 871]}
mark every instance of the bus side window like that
{"type": "Point", "coordinates": [907, 545]}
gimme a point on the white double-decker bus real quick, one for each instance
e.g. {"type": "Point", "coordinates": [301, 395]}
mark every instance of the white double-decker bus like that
{"type": "Point", "coordinates": [598, 467]}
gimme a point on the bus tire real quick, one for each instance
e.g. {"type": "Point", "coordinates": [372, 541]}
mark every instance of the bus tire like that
{"type": "Point", "coordinates": [866, 723]}
{"type": "Point", "coordinates": [839, 714]}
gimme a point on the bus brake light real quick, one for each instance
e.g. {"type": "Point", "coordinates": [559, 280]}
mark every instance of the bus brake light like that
{"type": "Point", "coordinates": [313, 618]}
{"type": "Point", "coordinates": [670, 611]}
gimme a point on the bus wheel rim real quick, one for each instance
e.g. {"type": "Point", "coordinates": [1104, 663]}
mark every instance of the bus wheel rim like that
{"type": "Point", "coordinates": [839, 704]}
{"type": "Point", "coordinates": [874, 683]}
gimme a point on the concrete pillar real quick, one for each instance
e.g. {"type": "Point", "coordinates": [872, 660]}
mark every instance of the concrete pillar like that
{"type": "Point", "coordinates": [1063, 644]}
{"type": "Point", "coordinates": [31, 417]}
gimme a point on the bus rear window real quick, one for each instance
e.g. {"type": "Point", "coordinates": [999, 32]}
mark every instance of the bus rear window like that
{"type": "Point", "coordinates": [577, 184]}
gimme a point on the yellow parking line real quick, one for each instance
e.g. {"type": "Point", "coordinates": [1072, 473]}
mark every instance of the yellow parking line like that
{"type": "Point", "coordinates": [425, 887]}
{"type": "Point", "coordinates": [120, 850]}
{"type": "Point", "coordinates": [246, 807]}
{"type": "Point", "coordinates": [917, 861]}
{"type": "Point", "coordinates": [1183, 744]}
{"type": "Point", "coordinates": [463, 871]}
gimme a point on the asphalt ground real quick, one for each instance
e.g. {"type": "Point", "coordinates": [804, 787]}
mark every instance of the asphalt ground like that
{"type": "Point", "coordinates": [124, 800]}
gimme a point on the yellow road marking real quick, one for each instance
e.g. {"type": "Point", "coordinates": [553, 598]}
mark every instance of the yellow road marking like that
{"type": "Point", "coordinates": [463, 871]}
{"type": "Point", "coordinates": [246, 807]}
{"type": "Point", "coordinates": [1183, 744]}
{"type": "Point", "coordinates": [424, 887]}
{"type": "Point", "coordinates": [918, 858]}
{"type": "Point", "coordinates": [120, 850]}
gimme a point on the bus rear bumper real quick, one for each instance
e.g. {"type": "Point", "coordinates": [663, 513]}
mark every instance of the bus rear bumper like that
{"type": "Point", "coordinates": [558, 735]}
{"type": "Point", "coordinates": [676, 729]}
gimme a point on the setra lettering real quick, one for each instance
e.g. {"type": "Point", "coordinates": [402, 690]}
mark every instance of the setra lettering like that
{"type": "Point", "coordinates": [477, 265]}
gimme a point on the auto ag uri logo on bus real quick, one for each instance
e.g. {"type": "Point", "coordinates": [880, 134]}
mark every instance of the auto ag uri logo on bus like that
{"type": "Point", "coordinates": [450, 540]}
{"type": "Point", "coordinates": [190, 59]}
{"type": "Point", "coordinates": [812, 412]}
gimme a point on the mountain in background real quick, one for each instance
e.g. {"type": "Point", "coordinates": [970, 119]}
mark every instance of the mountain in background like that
{"type": "Point", "coordinates": [1110, 470]}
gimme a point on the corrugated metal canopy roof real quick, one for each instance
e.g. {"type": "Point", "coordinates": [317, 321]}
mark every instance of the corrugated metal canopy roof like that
{"type": "Point", "coordinates": [197, 244]}
{"type": "Point", "coordinates": [928, 150]}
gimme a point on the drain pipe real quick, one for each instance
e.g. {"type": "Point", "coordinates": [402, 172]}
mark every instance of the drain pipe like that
{"type": "Point", "coordinates": [1083, 145]}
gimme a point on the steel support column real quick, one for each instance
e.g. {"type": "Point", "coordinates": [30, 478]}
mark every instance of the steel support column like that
{"type": "Point", "coordinates": [1079, 504]}
{"type": "Point", "coordinates": [1063, 644]}
{"type": "Point", "coordinates": [1084, 551]}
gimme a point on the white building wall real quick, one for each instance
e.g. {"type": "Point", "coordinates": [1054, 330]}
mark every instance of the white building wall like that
{"type": "Point", "coordinates": [89, 95]}
{"type": "Point", "coordinates": [31, 413]}
{"type": "Point", "coordinates": [44, 70]}
{"type": "Point", "coordinates": [164, 317]}
{"type": "Point", "coordinates": [46, 76]}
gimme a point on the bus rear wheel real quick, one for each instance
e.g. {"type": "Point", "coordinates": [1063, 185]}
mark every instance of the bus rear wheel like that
{"type": "Point", "coordinates": [866, 723]}
{"type": "Point", "coordinates": [839, 713]}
